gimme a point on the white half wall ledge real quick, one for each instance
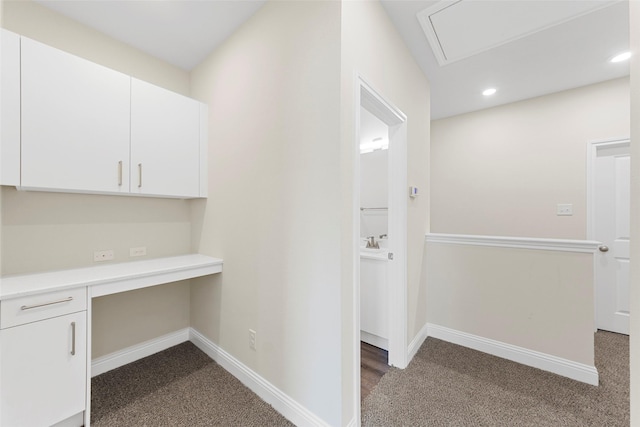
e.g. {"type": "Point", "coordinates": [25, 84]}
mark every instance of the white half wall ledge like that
{"type": "Point", "coordinates": [546, 362]}
{"type": "Point", "coordinates": [561, 245]}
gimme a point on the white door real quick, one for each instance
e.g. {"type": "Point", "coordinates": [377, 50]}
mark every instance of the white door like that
{"type": "Point", "coordinates": [611, 207]}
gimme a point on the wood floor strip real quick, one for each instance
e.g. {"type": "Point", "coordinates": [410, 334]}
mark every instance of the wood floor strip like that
{"type": "Point", "coordinates": [374, 363]}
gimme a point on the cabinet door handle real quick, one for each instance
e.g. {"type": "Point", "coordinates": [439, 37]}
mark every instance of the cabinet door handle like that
{"type": "Point", "coordinates": [120, 173]}
{"type": "Point", "coordinates": [73, 338]}
{"type": "Point", "coordinates": [60, 301]}
{"type": "Point", "coordinates": [139, 175]}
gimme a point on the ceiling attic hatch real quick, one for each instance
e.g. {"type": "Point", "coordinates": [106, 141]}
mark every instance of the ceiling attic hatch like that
{"type": "Point", "coordinates": [459, 29]}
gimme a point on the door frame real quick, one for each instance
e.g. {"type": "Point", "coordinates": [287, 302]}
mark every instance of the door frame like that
{"type": "Point", "coordinates": [366, 96]}
{"type": "Point", "coordinates": [592, 153]}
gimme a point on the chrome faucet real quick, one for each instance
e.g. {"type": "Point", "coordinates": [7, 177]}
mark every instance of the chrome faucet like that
{"type": "Point", "coordinates": [371, 243]}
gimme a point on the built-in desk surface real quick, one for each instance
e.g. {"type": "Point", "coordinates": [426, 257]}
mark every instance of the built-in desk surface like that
{"type": "Point", "coordinates": [112, 278]}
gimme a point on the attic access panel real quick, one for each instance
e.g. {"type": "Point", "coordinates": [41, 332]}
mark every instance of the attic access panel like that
{"type": "Point", "coordinates": [458, 29]}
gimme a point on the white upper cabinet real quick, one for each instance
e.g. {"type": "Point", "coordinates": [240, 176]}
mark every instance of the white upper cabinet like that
{"type": "Point", "coordinates": [165, 142]}
{"type": "Point", "coordinates": [71, 125]}
{"type": "Point", "coordinates": [10, 120]}
{"type": "Point", "coordinates": [75, 122]}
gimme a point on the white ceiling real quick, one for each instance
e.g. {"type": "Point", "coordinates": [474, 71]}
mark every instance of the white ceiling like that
{"type": "Point", "coordinates": [181, 32]}
{"type": "Point", "coordinates": [372, 129]}
{"type": "Point", "coordinates": [571, 54]}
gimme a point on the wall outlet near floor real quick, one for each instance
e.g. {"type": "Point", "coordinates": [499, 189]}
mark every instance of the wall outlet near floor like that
{"type": "Point", "coordinates": [139, 251]}
{"type": "Point", "coordinates": [565, 210]}
{"type": "Point", "coordinates": [99, 256]}
{"type": "Point", "coordinates": [252, 339]}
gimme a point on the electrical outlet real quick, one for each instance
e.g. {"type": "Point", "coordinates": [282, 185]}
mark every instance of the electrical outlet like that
{"type": "Point", "coordinates": [99, 256]}
{"type": "Point", "coordinates": [139, 251]}
{"type": "Point", "coordinates": [564, 210]}
{"type": "Point", "coordinates": [252, 339]}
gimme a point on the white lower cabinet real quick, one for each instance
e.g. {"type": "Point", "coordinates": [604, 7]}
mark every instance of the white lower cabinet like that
{"type": "Point", "coordinates": [43, 371]}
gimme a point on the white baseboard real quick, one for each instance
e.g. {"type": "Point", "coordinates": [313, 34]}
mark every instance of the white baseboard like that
{"type": "Point", "coordinates": [114, 360]}
{"type": "Point", "coordinates": [374, 340]}
{"type": "Point", "coordinates": [417, 341]}
{"type": "Point", "coordinates": [289, 408]}
{"type": "Point", "coordinates": [567, 368]}
{"type": "Point", "coordinates": [76, 420]}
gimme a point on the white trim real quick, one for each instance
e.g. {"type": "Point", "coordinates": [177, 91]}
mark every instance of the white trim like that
{"type": "Point", "coordinates": [72, 421]}
{"type": "Point", "coordinates": [374, 340]}
{"type": "Point", "coordinates": [365, 96]}
{"type": "Point", "coordinates": [289, 408]}
{"type": "Point", "coordinates": [561, 245]}
{"type": "Point", "coordinates": [393, 117]}
{"type": "Point", "coordinates": [417, 341]}
{"type": "Point", "coordinates": [355, 212]}
{"type": "Point", "coordinates": [397, 268]}
{"type": "Point", "coordinates": [567, 368]}
{"type": "Point", "coordinates": [352, 423]}
{"type": "Point", "coordinates": [116, 359]}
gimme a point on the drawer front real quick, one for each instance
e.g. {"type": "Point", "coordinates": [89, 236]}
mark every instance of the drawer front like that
{"type": "Point", "coordinates": [18, 311]}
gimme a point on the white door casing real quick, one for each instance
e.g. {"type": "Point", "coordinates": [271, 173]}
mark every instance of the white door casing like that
{"type": "Point", "coordinates": [609, 210]}
{"type": "Point", "coordinates": [366, 97]}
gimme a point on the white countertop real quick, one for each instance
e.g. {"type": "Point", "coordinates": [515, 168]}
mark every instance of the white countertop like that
{"type": "Point", "coordinates": [112, 278]}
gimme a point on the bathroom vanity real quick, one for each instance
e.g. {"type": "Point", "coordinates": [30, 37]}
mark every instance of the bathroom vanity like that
{"type": "Point", "coordinates": [374, 310]}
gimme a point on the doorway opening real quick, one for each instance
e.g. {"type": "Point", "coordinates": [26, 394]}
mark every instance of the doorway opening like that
{"type": "Point", "coordinates": [380, 231]}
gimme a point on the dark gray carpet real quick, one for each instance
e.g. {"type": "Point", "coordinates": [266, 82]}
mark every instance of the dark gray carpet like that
{"type": "Point", "coordinates": [449, 385]}
{"type": "Point", "coordinates": [178, 387]}
{"type": "Point", "coordinates": [444, 385]}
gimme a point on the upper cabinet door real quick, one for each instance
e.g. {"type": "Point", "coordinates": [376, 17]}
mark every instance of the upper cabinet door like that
{"type": "Point", "coordinates": [10, 120]}
{"type": "Point", "coordinates": [75, 122]}
{"type": "Point", "coordinates": [165, 142]}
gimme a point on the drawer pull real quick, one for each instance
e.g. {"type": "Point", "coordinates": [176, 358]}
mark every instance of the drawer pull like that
{"type": "Point", "coordinates": [73, 338]}
{"type": "Point", "coordinates": [29, 307]}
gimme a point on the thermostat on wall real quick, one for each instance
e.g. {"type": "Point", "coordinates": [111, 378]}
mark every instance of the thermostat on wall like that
{"type": "Point", "coordinates": [413, 192]}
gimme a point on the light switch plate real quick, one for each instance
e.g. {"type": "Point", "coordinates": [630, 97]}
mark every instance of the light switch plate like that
{"type": "Point", "coordinates": [565, 210]}
{"type": "Point", "coordinates": [139, 251]}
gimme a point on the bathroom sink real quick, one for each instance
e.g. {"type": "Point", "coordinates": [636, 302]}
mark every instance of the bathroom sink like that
{"type": "Point", "coordinates": [372, 250]}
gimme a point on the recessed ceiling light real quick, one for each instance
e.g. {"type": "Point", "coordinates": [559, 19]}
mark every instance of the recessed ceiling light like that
{"type": "Point", "coordinates": [621, 57]}
{"type": "Point", "coordinates": [489, 92]}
